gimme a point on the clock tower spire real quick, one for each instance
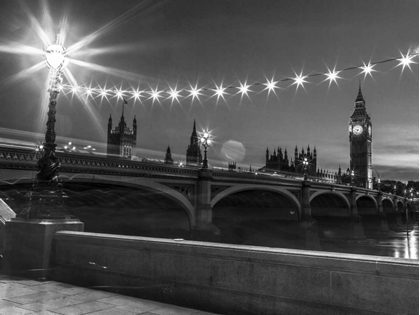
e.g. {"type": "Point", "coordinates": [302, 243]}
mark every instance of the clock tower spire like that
{"type": "Point", "coordinates": [360, 137]}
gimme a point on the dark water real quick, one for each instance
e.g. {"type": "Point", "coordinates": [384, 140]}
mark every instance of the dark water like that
{"type": "Point", "coordinates": [401, 242]}
{"type": "Point", "coordinates": [129, 211]}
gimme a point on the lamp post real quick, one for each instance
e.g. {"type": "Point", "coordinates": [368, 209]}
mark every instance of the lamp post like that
{"type": "Point", "coordinates": [46, 195]}
{"type": "Point", "coordinates": [406, 214]}
{"type": "Point", "coordinates": [305, 168]}
{"type": "Point", "coordinates": [352, 178]}
{"type": "Point", "coordinates": [205, 141]}
{"type": "Point", "coordinates": [379, 184]}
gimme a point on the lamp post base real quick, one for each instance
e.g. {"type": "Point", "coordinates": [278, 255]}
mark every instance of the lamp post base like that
{"type": "Point", "coordinates": [46, 201]}
{"type": "Point", "coordinates": [28, 244]}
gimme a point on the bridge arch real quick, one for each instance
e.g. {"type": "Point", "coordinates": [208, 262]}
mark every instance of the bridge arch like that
{"type": "Point", "coordinates": [257, 215]}
{"type": "Point", "coordinates": [388, 206]}
{"type": "Point", "coordinates": [366, 205]}
{"type": "Point", "coordinates": [145, 183]}
{"type": "Point", "coordinates": [400, 206]}
{"type": "Point", "coordinates": [329, 203]}
{"type": "Point", "coordinates": [245, 187]}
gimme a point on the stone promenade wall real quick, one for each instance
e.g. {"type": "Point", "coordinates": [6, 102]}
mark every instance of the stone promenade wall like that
{"type": "Point", "coordinates": [236, 279]}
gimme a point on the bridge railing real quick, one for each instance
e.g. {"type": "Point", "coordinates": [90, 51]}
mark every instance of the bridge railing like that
{"type": "Point", "coordinates": [22, 158]}
{"type": "Point", "coordinates": [17, 158]}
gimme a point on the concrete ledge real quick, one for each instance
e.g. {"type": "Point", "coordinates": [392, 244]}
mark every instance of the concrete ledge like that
{"type": "Point", "coordinates": [28, 244]}
{"type": "Point", "coordinates": [235, 279]}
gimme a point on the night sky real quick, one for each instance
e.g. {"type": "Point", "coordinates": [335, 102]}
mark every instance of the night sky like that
{"type": "Point", "coordinates": [161, 44]}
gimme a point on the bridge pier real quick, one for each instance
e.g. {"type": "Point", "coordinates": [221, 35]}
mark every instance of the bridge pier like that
{"type": "Point", "coordinates": [406, 214]}
{"type": "Point", "coordinates": [397, 213]}
{"type": "Point", "coordinates": [308, 225]}
{"type": "Point", "coordinates": [356, 220]}
{"type": "Point", "coordinates": [382, 215]}
{"type": "Point", "coordinates": [204, 230]}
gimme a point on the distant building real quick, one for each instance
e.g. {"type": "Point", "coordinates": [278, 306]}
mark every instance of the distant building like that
{"type": "Point", "coordinates": [194, 150]}
{"type": "Point", "coordinates": [168, 156]}
{"type": "Point", "coordinates": [360, 137]}
{"type": "Point", "coordinates": [280, 161]}
{"type": "Point", "coordinates": [121, 139]}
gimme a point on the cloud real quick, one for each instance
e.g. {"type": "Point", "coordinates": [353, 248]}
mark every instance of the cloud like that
{"type": "Point", "coordinates": [401, 173]}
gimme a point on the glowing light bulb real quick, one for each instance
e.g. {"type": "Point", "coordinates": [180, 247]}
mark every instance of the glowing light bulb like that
{"type": "Point", "coordinates": [174, 94]}
{"type": "Point", "coordinates": [299, 80]}
{"type": "Point", "coordinates": [367, 69]}
{"type": "Point", "coordinates": [194, 92]}
{"type": "Point", "coordinates": [220, 92]}
{"type": "Point", "coordinates": [405, 61]}
{"type": "Point", "coordinates": [331, 76]}
{"type": "Point", "coordinates": [155, 94]}
{"type": "Point", "coordinates": [137, 95]}
{"type": "Point", "coordinates": [55, 57]}
{"type": "Point", "coordinates": [270, 86]}
{"type": "Point", "coordinates": [244, 89]}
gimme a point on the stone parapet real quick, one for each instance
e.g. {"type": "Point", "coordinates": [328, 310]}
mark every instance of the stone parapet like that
{"type": "Point", "coordinates": [237, 279]}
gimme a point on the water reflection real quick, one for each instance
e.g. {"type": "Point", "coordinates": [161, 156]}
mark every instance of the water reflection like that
{"type": "Point", "coordinates": [393, 243]}
{"type": "Point", "coordinates": [142, 212]}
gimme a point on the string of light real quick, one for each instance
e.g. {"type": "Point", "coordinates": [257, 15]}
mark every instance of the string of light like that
{"type": "Point", "coordinates": [220, 91]}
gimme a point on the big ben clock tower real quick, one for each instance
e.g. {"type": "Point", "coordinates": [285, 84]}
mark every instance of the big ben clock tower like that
{"type": "Point", "coordinates": [360, 136]}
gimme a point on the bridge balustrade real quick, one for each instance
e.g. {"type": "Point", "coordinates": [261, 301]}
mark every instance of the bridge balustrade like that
{"type": "Point", "coordinates": [25, 159]}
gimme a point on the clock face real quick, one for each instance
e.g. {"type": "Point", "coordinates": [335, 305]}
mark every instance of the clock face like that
{"type": "Point", "coordinates": [357, 130]}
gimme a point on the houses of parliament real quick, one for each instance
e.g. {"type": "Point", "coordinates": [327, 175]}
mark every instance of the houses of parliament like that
{"type": "Point", "coordinates": [122, 140]}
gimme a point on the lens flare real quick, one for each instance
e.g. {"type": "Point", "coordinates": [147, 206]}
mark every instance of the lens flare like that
{"type": "Point", "coordinates": [22, 74]}
{"type": "Point", "coordinates": [220, 92]}
{"type": "Point", "coordinates": [20, 49]}
{"type": "Point", "coordinates": [332, 76]}
{"type": "Point", "coordinates": [299, 80]}
{"type": "Point", "coordinates": [194, 93]}
{"type": "Point", "coordinates": [367, 69]}
{"type": "Point", "coordinates": [137, 94]}
{"type": "Point", "coordinates": [405, 61]}
{"type": "Point", "coordinates": [154, 95]}
{"type": "Point", "coordinates": [244, 89]}
{"type": "Point", "coordinates": [174, 95]}
{"type": "Point", "coordinates": [271, 85]}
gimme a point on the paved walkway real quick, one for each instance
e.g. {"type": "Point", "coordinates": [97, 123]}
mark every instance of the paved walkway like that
{"type": "Point", "coordinates": [23, 296]}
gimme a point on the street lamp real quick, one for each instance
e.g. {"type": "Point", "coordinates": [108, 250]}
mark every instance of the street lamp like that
{"type": "Point", "coordinates": [305, 168]}
{"type": "Point", "coordinates": [90, 149]}
{"type": "Point", "coordinates": [379, 184]}
{"type": "Point", "coordinates": [69, 147]}
{"type": "Point", "coordinates": [46, 195]}
{"type": "Point", "coordinates": [352, 178]}
{"type": "Point", "coordinates": [205, 141]}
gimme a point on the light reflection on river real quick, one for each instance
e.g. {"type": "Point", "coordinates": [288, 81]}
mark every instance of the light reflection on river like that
{"type": "Point", "coordinates": [393, 243]}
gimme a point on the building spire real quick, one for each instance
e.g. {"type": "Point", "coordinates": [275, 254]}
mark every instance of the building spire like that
{"type": "Point", "coordinates": [122, 114]}
{"type": "Point", "coordinates": [360, 95]}
{"type": "Point", "coordinates": [194, 130]}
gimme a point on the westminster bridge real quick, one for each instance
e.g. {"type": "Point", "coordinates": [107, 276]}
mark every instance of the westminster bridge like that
{"type": "Point", "coordinates": [224, 278]}
{"type": "Point", "coordinates": [198, 191]}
